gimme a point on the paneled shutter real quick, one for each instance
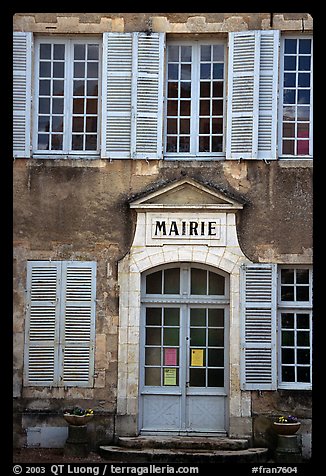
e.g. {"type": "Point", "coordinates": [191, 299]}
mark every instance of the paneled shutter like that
{"type": "Point", "coordinates": [42, 323]}
{"type": "Point", "coordinates": [22, 76]}
{"type": "Point", "coordinates": [78, 325]}
{"type": "Point", "coordinates": [258, 327]}
{"type": "Point", "coordinates": [252, 95]}
{"type": "Point", "coordinates": [116, 95]}
{"type": "Point", "coordinates": [148, 81]}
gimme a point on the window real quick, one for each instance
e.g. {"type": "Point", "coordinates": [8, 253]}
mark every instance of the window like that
{"type": "Point", "coordinates": [295, 326]}
{"type": "Point", "coordinates": [60, 323]}
{"type": "Point", "coordinates": [67, 96]}
{"type": "Point", "coordinates": [195, 93]}
{"type": "Point", "coordinates": [295, 138]}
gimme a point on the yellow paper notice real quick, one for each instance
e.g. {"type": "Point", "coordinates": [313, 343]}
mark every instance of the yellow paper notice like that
{"type": "Point", "coordinates": [197, 357]}
{"type": "Point", "coordinates": [170, 376]}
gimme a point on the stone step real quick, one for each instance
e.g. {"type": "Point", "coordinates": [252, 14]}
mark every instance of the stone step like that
{"type": "Point", "coordinates": [183, 442]}
{"type": "Point", "coordinates": [182, 455]}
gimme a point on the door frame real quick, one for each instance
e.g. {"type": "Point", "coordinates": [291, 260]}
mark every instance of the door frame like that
{"type": "Point", "coordinates": [185, 303]}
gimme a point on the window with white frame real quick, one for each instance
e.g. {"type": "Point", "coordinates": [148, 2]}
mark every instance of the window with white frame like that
{"type": "Point", "coordinates": [295, 133]}
{"type": "Point", "coordinates": [295, 327]}
{"type": "Point", "coordinates": [67, 85]}
{"type": "Point", "coordinates": [195, 105]}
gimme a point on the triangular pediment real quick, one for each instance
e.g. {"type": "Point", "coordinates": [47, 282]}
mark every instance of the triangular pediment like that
{"type": "Point", "coordinates": [186, 194]}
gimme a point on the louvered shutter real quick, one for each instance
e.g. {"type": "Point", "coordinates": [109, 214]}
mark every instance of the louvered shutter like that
{"type": "Point", "coordinates": [22, 75]}
{"type": "Point", "coordinates": [252, 95]}
{"type": "Point", "coordinates": [116, 95]}
{"type": "Point", "coordinates": [258, 327]}
{"type": "Point", "coordinates": [148, 81]}
{"type": "Point", "coordinates": [78, 323]}
{"type": "Point", "coordinates": [42, 331]}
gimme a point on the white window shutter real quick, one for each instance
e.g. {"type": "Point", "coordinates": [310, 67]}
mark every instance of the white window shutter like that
{"type": "Point", "coordinates": [42, 331]}
{"type": "Point", "coordinates": [258, 327]}
{"type": "Point", "coordinates": [252, 94]}
{"type": "Point", "coordinates": [116, 95]}
{"type": "Point", "coordinates": [78, 323]}
{"type": "Point", "coordinates": [148, 101]}
{"type": "Point", "coordinates": [268, 89]}
{"type": "Point", "coordinates": [22, 77]}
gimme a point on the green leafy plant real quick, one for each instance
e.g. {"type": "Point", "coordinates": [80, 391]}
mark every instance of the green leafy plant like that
{"type": "Point", "coordinates": [78, 411]}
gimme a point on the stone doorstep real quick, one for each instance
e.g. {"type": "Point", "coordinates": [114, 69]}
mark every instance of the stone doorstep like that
{"type": "Point", "coordinates": [183, 455]}
{"type": "Point", "coordinates": [183, 442]}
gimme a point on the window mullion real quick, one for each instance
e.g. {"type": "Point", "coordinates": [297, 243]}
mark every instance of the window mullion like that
{"type": "Point", "coordinates": [194, 121]}
{"type": "Point", "coordinates": [67, 138]}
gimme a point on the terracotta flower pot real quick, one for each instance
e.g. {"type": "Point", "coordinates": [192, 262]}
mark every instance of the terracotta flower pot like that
{"type": "Point", "coordinates": [286, 428]}
{"type": "Point", "coordinates": [77, 420]}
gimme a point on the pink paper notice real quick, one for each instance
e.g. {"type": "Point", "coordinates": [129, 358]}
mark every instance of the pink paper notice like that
{"type": "Point", "coordinates": [170, 356]}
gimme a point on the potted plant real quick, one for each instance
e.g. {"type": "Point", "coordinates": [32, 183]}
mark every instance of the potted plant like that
{"type": "Point", "coordinates": [286, 425]}
{"type": "Point", "coordinates": [77, 416]}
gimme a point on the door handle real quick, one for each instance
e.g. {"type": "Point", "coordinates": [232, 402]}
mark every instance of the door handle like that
{"type": "Point", "coordinates": [187, 384]}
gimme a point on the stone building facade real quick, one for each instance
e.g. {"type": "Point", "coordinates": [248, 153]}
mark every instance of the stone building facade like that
{"type": "Point", "coordinates": [162, 223]}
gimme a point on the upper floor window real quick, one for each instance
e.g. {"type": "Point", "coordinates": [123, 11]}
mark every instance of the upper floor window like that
{"type": "Point", "coordinates": [67, 88]}
{"type": "Point", "coordinates": [195, 91]}
{"type": "Point", "coordinates": [295, 138]}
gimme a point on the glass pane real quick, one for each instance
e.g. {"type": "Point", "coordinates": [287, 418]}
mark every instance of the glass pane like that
{"type": "Point", "coordinates": [302, 276]}
{"type": "Point", "coordinates": [305, 46]}
{"type": "Point", "coordinates": [287, 356]}
{"type": "Point", "coordinates": [184, 108]}
{"type": "Point", "coordinates": [303, 338]}
{"type": "Point", "coordinates": [204, 125]}
{"type": "Point", "coordinates": [289, 96]}
{"type": "Point", "coordinates": [185, 89]}
{"type": "Point", "coordinates": [218, 53]}
{"type": "Point", "coordinates": [45, 87]}
{"type": "Point", "coordinates": [215, 378]}
{"type": "Point", "coordinates": [173, 71]}
{"type": "Point", "coordinates": [172, 108]}
{"type": "Point", "coordinates": [153, 356]}
{"type": "Point", "coordinates": [43, 142]}
{"type": "Point", "coordinates": [57, 106]}
{"type": "Point", "coordinates": [92, 88]}
{"type": "Point", "coordinates": [197, 317]}
{"type": "Point", "coordinates": [288, 147]}
{"type": "Point", "coordinates": [57, 123]}
{"type": "Point", "coordinates": [171, 144]}
{"type": "Point", "coordinates": [79, 70]}
{"type": "Point", "coordinates": [92, 70]}
{"type": "Point", "coordinates": [184, 144]}
{"type": "Point", "coordinates": [217, 108]}
{"type": "Point", "coordinates": [288, 129]}
{"type": "Point", "coordinates": [153, 316]}
{"type": "Point", "coordinates": [205, 89]}
{"type": "Point", "coordinates": [92, 52]}
{"type": "Point", "coordinates": [154, 283]}
{"type": "Point", "coordinates": [205, 53]}
{"type": "Point", "coordinates": [173, 53]}
{"type": "Point", "coordinates": [290, 63]}
{"type": "Point", "coordinates": [303, 147]}
{"type": "Point", "coordinates": [288, 374]}
{"type": "Point", "coordinates": [172, 89]}
{"type": "Point", "coordinates": [79, 89]}
{"type": "Point", "coordinates": [289, 80]}
{"type": "Point", "coordinates": [287, 293]}
{"type": "Point", "coordinates": [197, 378]}
{"type": "Point", "coordinates": [303, 374]}
{"type": "Point", "coordinates": [303, 129]}
{"type": "Point", "coordinates": [304, 80]}
{"type": "Point", "coordinates": [217, 126]}
{"type": "Point", "coordinates": [44, 106]}
{"type": "Point", "coordinates": [172, 126]}
{"type": "Point", "coordinates": [59, 52]}
{"type": "Point", "coordinates": [215, 357]}
{"type": "Point", "coordinates": [287, 338]}
{"type": "Point", "coordinates": [216, 337]}
{"type": "Point", "coordinates": [79, 52]}
{"type": "Point", "coordinates": [198, 281]}
{"type": "Point", "coordinates": [304, 63]}
{"type": "Point", "coordinates": [290, 46]}
{"type": "Point", "coordinates": [58, 88]}
{"type": "Point", "coordinates": [204, 144]}
{"type": "Point", "coordinates": [186, 72]}
{"type": "Point", "coordinates": [170, 336]}
{"type": "Point", "coordinates": [218, 71]}
{"type": "Point", "coordinates": [216, 284]}
{"type": "Point", "coordinates": [77, 142]}
{"type": "Point", "coordinates": [58, 70]}
{"type": "Point", "coordinates": [172, 281]}
{"type": "Point", "coordinates": [78, 124]}
{"type": "Point", "coordinates": [302, 293]}
{"type": "Point", "coordinates": [91, 142]}
{"type": "Point", "coordinates": [153, 336]}
{"type": "Point", "coordinates": [287, 321]}
{"type": "Point", "coordinates": [91, 106]}
{"type": "Point", "coordinates": [153, 376]}
{"type": "Point", "coordinates": [91, 124]}
{"type": "Point", "coordinates": [171, 316]}
{"type": "Point", "coordinates": [303, 321]}
{"type": "Point", "coordinates": [304, 96]}
{"type": "Point", "coordinates": [217, 144]}
{"type": "Point", "coordinates": [216, 317]}
{"type": "Point", "coordinates": [205, 108]}
{"type": "Point", "coordinates": [44, 123]}
{"type": "Point", "coordinates": [45, 51]}
{"type": "Point", "coordinates": [186, 53]}
{"type": "Point", "coordinates": [45, 69]}
{"type": "Point", "coordinates": [198, 336]}
{"type": "Point", "coordinates": [303, 356]}
{"type": "Point", "coordinates": [56, 141]}
{"type": "Point", "coordinates": [205, 71]}
{"type": "Point", "coordinates": [289, 113]}
{"type": "Point", "coordinates": [303, 113]}
{"type": "Point", "coordinates": [78, 106]}
{"type": "Point", "coordinates": [184, 126]}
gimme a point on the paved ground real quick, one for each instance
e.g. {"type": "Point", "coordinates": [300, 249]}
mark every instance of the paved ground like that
{"type": "Point", "coordinates": [52, 455]}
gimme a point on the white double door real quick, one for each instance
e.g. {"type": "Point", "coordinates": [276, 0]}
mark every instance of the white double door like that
{"type": "Point", "coordinates": [184, 363]}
